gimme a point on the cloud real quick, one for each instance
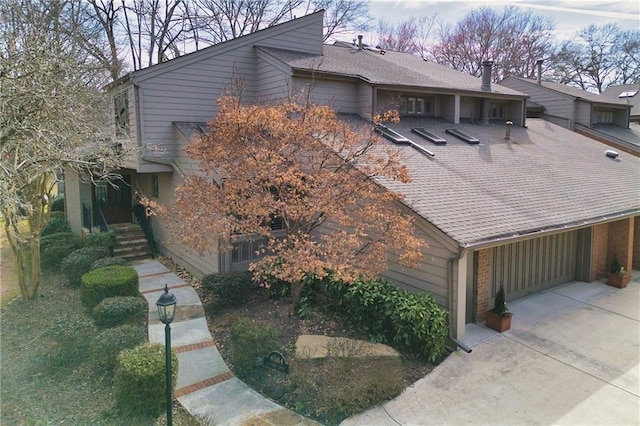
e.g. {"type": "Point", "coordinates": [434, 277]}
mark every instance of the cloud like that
{"type": "Point", "coordinates": [594, 12]}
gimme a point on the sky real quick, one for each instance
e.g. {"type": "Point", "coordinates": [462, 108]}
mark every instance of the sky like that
{"type": "Point", "coordinates": [569, 16]}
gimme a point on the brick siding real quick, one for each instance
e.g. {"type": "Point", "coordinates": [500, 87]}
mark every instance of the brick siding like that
{"type": "Point", "coordinates": [483, 280]}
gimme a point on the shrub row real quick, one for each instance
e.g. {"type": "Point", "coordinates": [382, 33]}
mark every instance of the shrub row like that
{"type": "Point", "coordinates": [139, 383]}
{"type": "Point", "coordinates": [109, 281]}
{"type": "Point", "coordinates": [79, 262]}
{"type": "Point", "coordinates": [413, 322]}
{"type": "Point", "coordinates": [54, 248]}
{"type": "Point", "coordinates": [231, 288]}
{"type": "Point", "coordinates": [57, 223]}
{"type": "Point", "coordinates": [116, 310]}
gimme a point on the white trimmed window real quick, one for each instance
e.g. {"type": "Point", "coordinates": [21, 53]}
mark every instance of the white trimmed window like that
{"type": "Point", "coordinates": [411, 105]}
{"type": "Point", "coordinates": [121, 112]}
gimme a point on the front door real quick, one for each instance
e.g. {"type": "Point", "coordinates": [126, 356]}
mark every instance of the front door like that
{"type": "Point", "coordinates": [113, 201]}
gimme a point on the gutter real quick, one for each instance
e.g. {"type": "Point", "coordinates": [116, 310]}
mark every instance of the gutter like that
{"type": "Point", "coordinates": [499, 240]}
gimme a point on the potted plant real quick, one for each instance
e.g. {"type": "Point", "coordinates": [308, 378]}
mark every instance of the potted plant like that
{"type": "Point", "coordinates": [499, 318]}
{"type": "Point", "coordinates": [618, 276]}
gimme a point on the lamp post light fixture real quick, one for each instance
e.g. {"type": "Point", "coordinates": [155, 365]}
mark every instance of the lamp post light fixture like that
{"type": "Point", "coordinates": [166, 311]}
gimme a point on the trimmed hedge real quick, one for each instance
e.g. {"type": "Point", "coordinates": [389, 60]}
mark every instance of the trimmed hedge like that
{"type": "Point", "coordinates": [102, 239]}
{"type": "Point", "coordinates": [57, 223]}
{"type": "Point", "coordinates": [413, 322]}
{"type": "Point", "coordinates": [140, 383]}
{"type": "Point", "coordinates": [79, 262]}
{"type": "Point", "coordinates": [55, 247]}
{"type": "Point", "coordinates": [108, 343]}
{"type": "Point", "coordinates": [116, 310]}
{"type": "Point", "coordinates": [231, 288]}
{"type": "Point", "coordinates": [108, 261]}
{"type": "Point", "coordinates": [109, 281]}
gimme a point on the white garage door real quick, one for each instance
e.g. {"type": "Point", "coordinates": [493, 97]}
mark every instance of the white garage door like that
{"type": "Point", "coordinates": [529, 266]}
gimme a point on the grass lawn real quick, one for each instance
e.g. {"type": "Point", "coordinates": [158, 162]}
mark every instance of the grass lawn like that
{"type": "Point", "coordinates": [57, 366]}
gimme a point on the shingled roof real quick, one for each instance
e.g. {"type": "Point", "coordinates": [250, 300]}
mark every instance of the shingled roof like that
{"type": "Point", "coordinates": [391, 69]}
{"type": "Point", "coordinates": [544, 178]}
{"type": "Point", "coordinates": [576, 92]}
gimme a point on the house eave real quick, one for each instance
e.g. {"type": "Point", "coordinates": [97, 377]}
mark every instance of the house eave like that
{"type": "Point", "coordinates": [499, 240]}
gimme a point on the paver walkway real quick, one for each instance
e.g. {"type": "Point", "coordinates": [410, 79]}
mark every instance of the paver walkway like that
{"type": "Point", "coordinates": [205, 386]}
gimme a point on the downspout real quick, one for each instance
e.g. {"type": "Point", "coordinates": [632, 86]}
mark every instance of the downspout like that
{"type": "Point", "coordinates": [450, 261]}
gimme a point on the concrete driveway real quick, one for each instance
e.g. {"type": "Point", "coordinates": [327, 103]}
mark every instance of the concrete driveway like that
{"type": "Point", "coordinates": [571, 357]}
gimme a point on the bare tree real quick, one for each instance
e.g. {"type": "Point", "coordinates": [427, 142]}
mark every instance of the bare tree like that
{"type": "Point", "coordinates": [597, 57]}
{"type": "Point", "coordinates": [411, 36]}
{"type": "Point", "coordinates": [154, 29]}
{"type": "Point", "coordinates": [342, 16]}
{"type": "Point", "coordinates": [51, 119]}
{"type": "Point", "coordinates": [513, 39]}
{"type": "Point", "coordinates": [105, 12]}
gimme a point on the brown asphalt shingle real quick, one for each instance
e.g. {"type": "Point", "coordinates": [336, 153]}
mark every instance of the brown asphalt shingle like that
{"type": "Point", "coordinates": [545, 177]}
{"type": "Point", "coordinates": [392, 68]}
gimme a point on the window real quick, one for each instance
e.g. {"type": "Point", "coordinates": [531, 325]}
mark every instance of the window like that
{"type": "Point", "coordinates": [605, 117]}
{"type": "Point", "coordinates": [121, 113]}
{"type": "Point", "coordinates": [247, 251]}
{"type": "Point", "coordinates": [497, 110]}
{"type": "Point", "coordinates": [416, 106]}
{"type": "Point", "coordinates": [102, 194]}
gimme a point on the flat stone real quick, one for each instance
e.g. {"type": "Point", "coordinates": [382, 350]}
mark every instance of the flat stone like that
{"type": "Point", "coordinates": [314, 346]}
{"type": "Point", "coordinates": [279, 418]}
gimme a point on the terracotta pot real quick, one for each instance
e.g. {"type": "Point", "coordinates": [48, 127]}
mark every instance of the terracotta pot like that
{"type": "Point", "coordinates": [618, 281]}
{"type": "Point", "coordinates": [498, 322]}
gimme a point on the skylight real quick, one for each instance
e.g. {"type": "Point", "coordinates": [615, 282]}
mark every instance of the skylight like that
{"type": "Point", "coordinates": [628, 94]}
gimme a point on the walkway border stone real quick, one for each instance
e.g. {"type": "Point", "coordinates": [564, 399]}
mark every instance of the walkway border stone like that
{"type": "Point", "coordinates": [205, 387]}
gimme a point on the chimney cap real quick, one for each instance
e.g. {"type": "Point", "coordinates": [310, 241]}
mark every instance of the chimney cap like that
{"type": "Point", "coordinates": [487, 63]}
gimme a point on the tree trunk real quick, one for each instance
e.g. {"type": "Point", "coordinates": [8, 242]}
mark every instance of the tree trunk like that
{"type": "Point", "coordinates": [296, 293]}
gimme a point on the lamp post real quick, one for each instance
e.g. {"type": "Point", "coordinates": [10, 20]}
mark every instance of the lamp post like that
{"type": "Point", "coordinates": [166, 311]}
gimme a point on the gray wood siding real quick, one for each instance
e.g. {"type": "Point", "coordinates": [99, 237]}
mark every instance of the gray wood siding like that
{"type": "Point", "coordinates": [555, 103]}
{"type": "Point", "coordinates": [582, 113]}
{"type": "Point", "coordinates": [340, 95]}
{"type": "Point", "coordinates": [198, 265]}
{"type": "Point", "coordinates": [448, 107]}
{"type": "Point", "coordinates": [431, 274]}
{"type": "Point", "coordinates": [468, 108]}
{"type": "Point", "coordinates": [365, 100]}
{"type": "Point", "coordinates": [272, 81]}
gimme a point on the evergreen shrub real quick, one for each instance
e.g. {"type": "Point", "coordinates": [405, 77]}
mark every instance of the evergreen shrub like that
{"type": "Point", "coordinates": [57, 223]}
{"type": "Point", "coordinates": [413, 322]}
{"type": "Point", "coordinates": [250, 341]}
{"type": "Point", "coordinates": [55, 247]}
{"type": "Point", "coordinates": [109, 281]}
{"type": "Point", "coordinates": [109, 342]}
{"type": "Point", "coordinates": [140, 382]}
{"type": "Point", "coordinates": [108, 261]}
{"type": "Point", "coordinates": [231, 288]}
{"type": "Point", "coordinates": [57, 205]}
{"type": "Point", "coordinates": [116, 310]}
{"type": "Point", "coordinates": [79, 262]}
{"type": "Point", "coordinates": [102, 239]}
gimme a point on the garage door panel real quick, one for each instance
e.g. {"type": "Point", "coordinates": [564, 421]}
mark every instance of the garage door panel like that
{"type": "Point", "coordinates": [529, 266]}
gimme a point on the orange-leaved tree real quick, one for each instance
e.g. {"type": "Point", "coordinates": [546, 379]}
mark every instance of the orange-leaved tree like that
{"type": "Point", "coordinates": [303, 167]}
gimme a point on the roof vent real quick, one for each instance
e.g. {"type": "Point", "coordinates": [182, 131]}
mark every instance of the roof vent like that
{"type": "Point", "coordinates": [611, 153]}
